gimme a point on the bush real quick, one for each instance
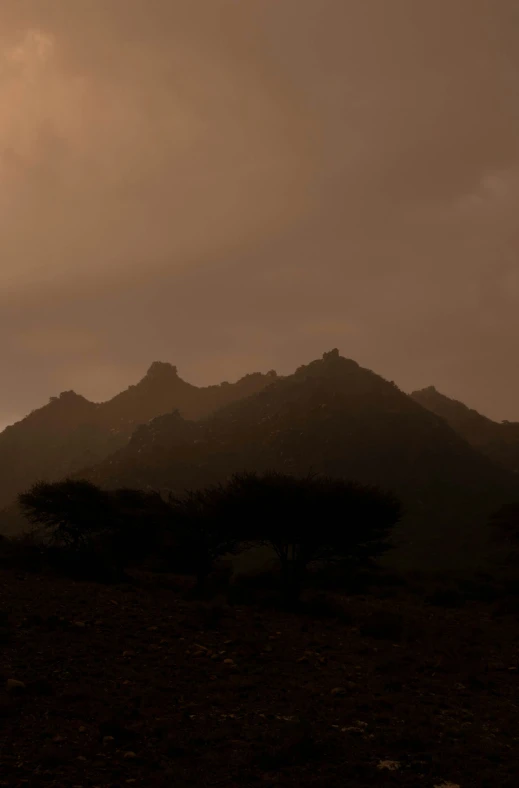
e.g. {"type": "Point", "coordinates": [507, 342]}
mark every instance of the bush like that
{"type": "Point", "coordinates": [24, 553]}
{"type": "Point", "coordinates": [87, 564]}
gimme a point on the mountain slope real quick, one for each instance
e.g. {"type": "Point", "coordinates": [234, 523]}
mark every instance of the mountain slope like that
{"type": "Point", "coordinates": [334, 417]}
{"type": "Point", "coordinates": [70, 432]}
{"type": "Point", "coordinates": [499, 441]}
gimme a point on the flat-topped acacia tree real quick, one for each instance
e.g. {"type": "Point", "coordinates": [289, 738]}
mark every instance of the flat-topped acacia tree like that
{"type": "Point", "coordinates": [85, 523]}
{"type": "Point", "coordinates": [303, 520]}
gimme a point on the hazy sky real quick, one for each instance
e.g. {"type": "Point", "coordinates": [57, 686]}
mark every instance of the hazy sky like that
{"type": "Point", "coordinates": [240, 185]}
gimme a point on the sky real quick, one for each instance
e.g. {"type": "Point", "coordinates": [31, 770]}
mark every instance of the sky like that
{"type": "Point", "coordinates": [241, 185]}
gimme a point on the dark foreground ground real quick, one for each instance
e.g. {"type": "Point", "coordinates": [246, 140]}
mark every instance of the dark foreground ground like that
{"type": "Point", "coordinates": [137, 686]}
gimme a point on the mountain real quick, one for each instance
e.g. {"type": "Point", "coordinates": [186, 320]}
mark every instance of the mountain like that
{"type": "Point", "coordinates": [499, 441]}
{"type": "Point", "coordinates": [331, 416]}
{"type": "Point", "coordinates": [70, 432]}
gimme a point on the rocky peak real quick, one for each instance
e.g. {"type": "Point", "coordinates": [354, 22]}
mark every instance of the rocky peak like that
{"type": "Point", "coordinates": [161, 370]}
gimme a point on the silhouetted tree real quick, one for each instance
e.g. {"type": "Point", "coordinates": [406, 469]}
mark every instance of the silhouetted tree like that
{"type": "Point", "coordinates": [201, 530]}
{"type": "Point", "coordinates": [310, 519]}
{"type": "Point", "coordinates": [93, 528]}
{"type": "Point", "coordinates": [70, 512]}
{"type": "Point", "coordinates": [137, 520]}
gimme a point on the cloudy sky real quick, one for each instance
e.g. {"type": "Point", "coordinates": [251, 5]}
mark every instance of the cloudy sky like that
{"type": "Point", "coordinates": [240, 185]}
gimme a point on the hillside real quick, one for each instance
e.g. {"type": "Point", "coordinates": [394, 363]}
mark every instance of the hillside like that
{"type": "Point", "coordinates": [499, 441]}
{"type": "Point", "coordinates": [331, 416]}
{"type": "Point", "coordinates": [70, 432]}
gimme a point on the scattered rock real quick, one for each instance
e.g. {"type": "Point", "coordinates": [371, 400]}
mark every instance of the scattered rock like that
{"type": "Point", "coordinates": [129, 755]}
{"type": "Point", "coordinates": [447, 785]}
{"type": "Point", "coordinates": [15, 686]}
{"type": "Point", "coordinates": [391, 766]}
{"type": "Point", "coordinates": [359, 727]}
{"type": "Point", "coordinates": [118, 731]}
{"type": "Point", "coordinates": [54, 754]}
{"type": "Point", "coordinates": [338, 691]}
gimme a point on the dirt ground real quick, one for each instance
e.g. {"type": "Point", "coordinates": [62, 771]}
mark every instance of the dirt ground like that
{"type": "Point", "coordinates": [137, 686]}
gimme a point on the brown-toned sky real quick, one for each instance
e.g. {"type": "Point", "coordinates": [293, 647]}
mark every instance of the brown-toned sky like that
{"type": "Point", "coordinates": [239, 185]}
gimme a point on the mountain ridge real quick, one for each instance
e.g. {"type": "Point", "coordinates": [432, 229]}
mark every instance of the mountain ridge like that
{"type": "Point", "coordinates": [330, 416]}
{"type": "Point", "coordinates": [334, 417]}
{"type": "Point", "coordinates": [498, 440]}
{"type": "Point", "coordinates": [70, 432]}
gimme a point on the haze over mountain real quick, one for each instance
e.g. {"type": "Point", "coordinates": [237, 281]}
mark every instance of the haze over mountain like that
{"type": "Point", "coordinates": [498, 440]}
{"type": "Point", "coordinates": [331, 416]}
{"type": "Point", "coordinates": [239, 183]}
{"type": "Point", "coordinates": [70, 432]}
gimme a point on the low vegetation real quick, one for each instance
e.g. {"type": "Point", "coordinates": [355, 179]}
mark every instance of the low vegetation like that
{"type": "Point", "coordinates": [141, 682]}
{"type": "Point", "coordinates": [309, 520]}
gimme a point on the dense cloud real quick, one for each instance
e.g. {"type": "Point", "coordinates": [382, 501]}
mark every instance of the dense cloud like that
{"type": "Point", "coordinates": [234, 186]}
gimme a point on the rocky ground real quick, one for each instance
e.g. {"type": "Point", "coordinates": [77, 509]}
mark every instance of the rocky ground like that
{"type": "Point", "coordinates": [115, 686]}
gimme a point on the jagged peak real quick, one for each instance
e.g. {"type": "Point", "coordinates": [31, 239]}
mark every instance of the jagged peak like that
{"type": "Point", "coordinates": [161, 369]}
{"type": "Point", "coordinates": [432, 391]}
{"type": "Point", "coordinates": [331, 354]}
{"type": "Point", "coordinates": [428, 390]}
{"type": "Point", "coordinates": [330, 363]}
{"type": "Point", "coordinates": [334, 357]}
{"type": "Point", "coordinates": [69, 396]}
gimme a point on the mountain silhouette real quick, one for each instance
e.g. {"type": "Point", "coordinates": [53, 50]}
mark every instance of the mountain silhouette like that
{"type": "Point", "coordinates": [70, 432]}
{"type": "Point", "coordinates": [333, 417]}
{"type": "Point", "coordinates": [499, 441]}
